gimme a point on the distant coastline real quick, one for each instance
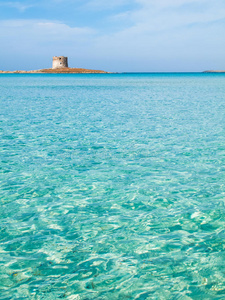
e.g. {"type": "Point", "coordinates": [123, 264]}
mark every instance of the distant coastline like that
{"type": "Point", "coordinates": [214, 71]}
{"type": "Point", "coordinates": [56, 71]}
{"type": "Point", "coordinates": [82, 71]}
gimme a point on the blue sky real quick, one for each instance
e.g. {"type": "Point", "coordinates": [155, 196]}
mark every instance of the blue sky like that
{"type": "Point", "coordinates": [116, 35]}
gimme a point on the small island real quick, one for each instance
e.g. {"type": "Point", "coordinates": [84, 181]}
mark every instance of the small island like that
{"type": "Point", "coordinates": [59, 66]}
{"type": "Point", "coordinates": [214, 71]}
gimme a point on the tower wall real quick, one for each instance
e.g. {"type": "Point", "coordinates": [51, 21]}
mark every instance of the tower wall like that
{"type": "Point", "coordinates": [59, 62]}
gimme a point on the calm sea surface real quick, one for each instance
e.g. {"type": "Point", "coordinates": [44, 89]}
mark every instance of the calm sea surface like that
{"type": "Point", "coordinates": [112, 186]}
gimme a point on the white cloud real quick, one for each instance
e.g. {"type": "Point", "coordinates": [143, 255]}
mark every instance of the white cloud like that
{"type": "Point", "coordinates": [18, 5]}
{"type": "Point", "coordinates": [105, 5]}
{"type": "Point", "coordinates": [168, 35]}
{"type": "Point", "coordinates": [44, 29]}
{"type": "Point", "coordinates": [168, 14]}
{"type": "Point", "coordinates": [24, 40]}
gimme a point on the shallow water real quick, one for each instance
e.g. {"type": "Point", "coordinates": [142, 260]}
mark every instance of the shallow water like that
{"type": "Point", "coordinates": [112, 186]}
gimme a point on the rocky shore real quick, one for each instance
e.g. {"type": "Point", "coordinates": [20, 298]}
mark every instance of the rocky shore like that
{"type": "Point", "coordinates": [56, 71]}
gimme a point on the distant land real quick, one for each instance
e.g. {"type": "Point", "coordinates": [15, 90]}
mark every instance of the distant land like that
{"type": "Point", "coordinates": [75, 71]}
{"type": "Point", "coordinates": [56, 71]}
{"type": "Point", "coordinates": [214, 71]}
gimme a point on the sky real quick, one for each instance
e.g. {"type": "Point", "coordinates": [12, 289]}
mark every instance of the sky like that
{"type": "Point", "coordinates": [115, 35]}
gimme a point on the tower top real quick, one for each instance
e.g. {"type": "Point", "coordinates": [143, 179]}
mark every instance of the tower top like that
{"type": "Point", "coordinates": [59, 62]}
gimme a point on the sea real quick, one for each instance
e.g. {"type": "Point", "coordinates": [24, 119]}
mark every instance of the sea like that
{"type": "Point", "coordinates": [112, 186]}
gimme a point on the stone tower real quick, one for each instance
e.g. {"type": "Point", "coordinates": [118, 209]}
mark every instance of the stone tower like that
{"type": "Point", "coordinates": [59, 62]}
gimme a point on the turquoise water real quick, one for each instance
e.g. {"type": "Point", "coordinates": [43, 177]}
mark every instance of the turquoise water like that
{"type": "Point", "coordinates": [112, 186]}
